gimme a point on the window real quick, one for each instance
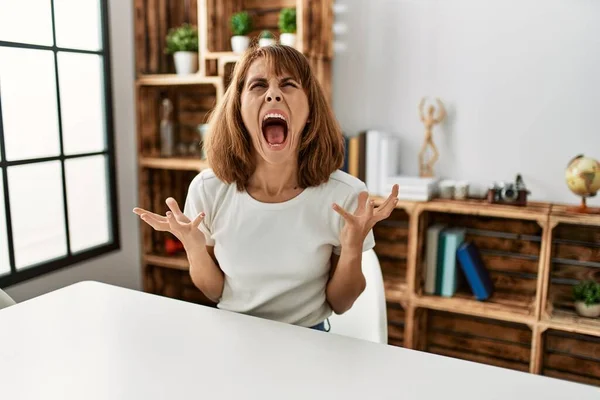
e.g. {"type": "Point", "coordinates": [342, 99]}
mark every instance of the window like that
{"type": "Point", "coordinates": [57, 162]}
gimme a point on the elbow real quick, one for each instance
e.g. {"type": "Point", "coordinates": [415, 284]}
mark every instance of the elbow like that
{"type": "Point", "coordinates": [341, 307]}
{"type": "Point", "coordinates": [205, 289]}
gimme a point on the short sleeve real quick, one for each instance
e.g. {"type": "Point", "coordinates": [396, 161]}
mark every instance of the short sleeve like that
{"type": "Point", "coordinates": [350, 205]}
{"type": "Point", "coordinates": [197, 202]}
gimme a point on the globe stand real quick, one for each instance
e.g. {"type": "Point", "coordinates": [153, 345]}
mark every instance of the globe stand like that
{"type": "Point", "coordinates": [583, 208]}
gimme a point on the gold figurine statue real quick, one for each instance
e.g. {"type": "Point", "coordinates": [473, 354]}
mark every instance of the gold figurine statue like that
{"type": "Point", "coordinates": [426, 167]}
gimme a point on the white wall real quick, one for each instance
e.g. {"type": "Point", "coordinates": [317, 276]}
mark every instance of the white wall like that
{"type": "Point", "coordinates": [521, 79]}
{"type": "Point", "coordinates": [119, 268]}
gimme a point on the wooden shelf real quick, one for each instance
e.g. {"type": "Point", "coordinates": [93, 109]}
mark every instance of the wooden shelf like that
{"type": "Point", "coordinates": [181, 164]}
{"type": "Point", "coordinates": [571, 322]}
{"type": "Point", "coordinates": [174, 80]}
{"type": "Point", "coordinates": [173, 262]}
{"type": "Point", "coordinates": [217, 55]}
{"type": "Point", "coordinates": [396, 291]}
{"type": "Point", "coordinates": [532, 211]}
{"type": "Point", "coordinates": [486, 309]}
{"type": "Point", "coordinates": [564, 213]}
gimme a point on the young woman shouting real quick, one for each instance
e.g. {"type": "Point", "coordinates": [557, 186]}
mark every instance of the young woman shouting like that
{"type": "Point", "coordinates": [274, 229]}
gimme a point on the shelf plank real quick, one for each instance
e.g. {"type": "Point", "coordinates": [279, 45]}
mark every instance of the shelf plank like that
{"type": "Point", "coordinates": [568, 321]}
{"type": "Point", "coordinates": [532, 211]}
{"type": "Point", "coordinates": [485, 309]}
{"type": "Point", "coordinates": [215, 55]}
{"type": "Point", "coordinates": [174, 80]}
{"type": "Point", "coordinates": [565, 213]}
{"type": "Point", "coordinates": [174, 262]}
{"type": "Point", "coordinates": [181, 164]}
{"type": "Point", "coordinates": [395, 291]}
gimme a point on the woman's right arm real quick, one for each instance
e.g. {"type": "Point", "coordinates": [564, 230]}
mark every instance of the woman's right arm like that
{"type": "Point", "coordinates": [204, 270]}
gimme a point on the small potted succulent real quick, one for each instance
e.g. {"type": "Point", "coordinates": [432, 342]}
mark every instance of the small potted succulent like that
{"type": "Point", "coordinates": [587, 298]}
{"type": "Point", "coordinates": [287, 27]}
{"type": "Point", "coordinates": [241, 25]}
{"type": "Point", "coordinates": [266, 38]}
{"type": "Point", "coordinates": [182, 43]}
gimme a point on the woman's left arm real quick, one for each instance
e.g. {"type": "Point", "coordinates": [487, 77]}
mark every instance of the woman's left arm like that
{"type": "Point", "coordinates": [347, 281]}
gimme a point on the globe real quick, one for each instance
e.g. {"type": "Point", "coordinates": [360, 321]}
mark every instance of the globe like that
{"type": "Point", "coordinates": [583, 177]}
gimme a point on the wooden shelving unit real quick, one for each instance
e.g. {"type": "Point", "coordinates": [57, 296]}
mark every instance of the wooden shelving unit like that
{"type": "Point", "coordinates": [535, 253]}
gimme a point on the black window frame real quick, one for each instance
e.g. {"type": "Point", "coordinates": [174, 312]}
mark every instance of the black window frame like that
{"type": "Point", "coordinates": [17, 276]}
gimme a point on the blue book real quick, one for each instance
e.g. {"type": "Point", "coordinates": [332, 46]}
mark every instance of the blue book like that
{"type": "Point", "coordinates": [475, 272]}
{"type": "Point", "coordinates": [440, 263]}
{"type": "Point", "coordinates": [452, 239]}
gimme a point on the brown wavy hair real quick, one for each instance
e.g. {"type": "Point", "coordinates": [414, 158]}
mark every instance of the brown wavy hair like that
{"type": "Point", "coordinates": [229, 147]}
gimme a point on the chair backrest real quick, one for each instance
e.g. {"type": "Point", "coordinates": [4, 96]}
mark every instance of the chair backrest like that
{"type": "Point", "coordinates": [367, 319]}
{"type": "Point", "coordinates": [5, 300]}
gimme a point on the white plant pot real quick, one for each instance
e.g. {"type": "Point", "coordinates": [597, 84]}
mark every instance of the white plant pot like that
{"type": "Point", "coordinates": [262, 42]}
{"type": "Point", "coordinates": [592, 311]}
{"type": "Point", "coordinates": [186, 62]}
{"type": "Point", "coordinates": [288, 39]}
{"type": "Point", "coordinates": [239, 44]}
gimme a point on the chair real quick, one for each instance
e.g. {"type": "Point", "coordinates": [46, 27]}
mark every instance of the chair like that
{"type": "Point", "coordinates": [367, 319]}
{"type": "Point", "coordinates": [5, 300]}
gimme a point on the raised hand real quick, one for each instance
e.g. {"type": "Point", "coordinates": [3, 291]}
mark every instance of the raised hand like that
{"type": "Point", "coordinates": [175, 222]}
{"type": "Point", "coordinates": [363, 219]}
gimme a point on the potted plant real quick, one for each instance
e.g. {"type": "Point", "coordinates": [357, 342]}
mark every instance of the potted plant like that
{"type": "Point", "coordinates": [287, 27]}
{"type": "Point", "coordinates": [266, 38]}
{"type": "Point", "coordinates": [241, 25]}
{"type": "Point", "coordinates": [182, 43]}
{"type": "Point", "coordinates": [587, 298]}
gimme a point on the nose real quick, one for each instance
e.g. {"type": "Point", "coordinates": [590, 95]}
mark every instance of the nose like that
{"type": "Point", "coordinates": [270, 98]}
{"type": "Point", "coordinates": [273, 94]}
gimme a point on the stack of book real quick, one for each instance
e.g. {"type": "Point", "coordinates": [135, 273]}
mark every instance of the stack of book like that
{"type": "Point", "coordinates": [450, 261]}
{"type": "Point", "coordinates": [412, 187]}
{"type": "Point", "coordinates": [372, 156]}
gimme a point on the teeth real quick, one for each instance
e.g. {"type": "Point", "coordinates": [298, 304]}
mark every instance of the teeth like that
{"type": "Point", "coordinates": [274, 115]}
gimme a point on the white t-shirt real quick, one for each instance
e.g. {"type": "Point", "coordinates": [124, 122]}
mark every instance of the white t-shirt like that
{"type": "Point", "coordinates": [275, 256]}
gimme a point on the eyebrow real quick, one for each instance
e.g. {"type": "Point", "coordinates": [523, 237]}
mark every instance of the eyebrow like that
{"type": "Point", "coordinates": [251, 81]}
{"type": "Point", "coordinates": [288, 78]}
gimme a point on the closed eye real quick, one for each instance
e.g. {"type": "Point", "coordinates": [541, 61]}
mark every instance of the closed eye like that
{"type": "Point", "coordinates": [262, 85]}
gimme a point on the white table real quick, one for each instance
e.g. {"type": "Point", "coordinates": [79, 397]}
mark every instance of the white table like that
{"type": "Point", "coordinates": [95, 341]}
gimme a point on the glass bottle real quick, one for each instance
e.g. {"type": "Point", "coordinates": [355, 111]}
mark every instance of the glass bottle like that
{"type": "Point", "coordinates": [166, 129]}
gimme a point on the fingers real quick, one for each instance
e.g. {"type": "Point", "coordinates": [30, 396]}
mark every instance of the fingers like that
{"type": "Point", "coordinates": [345, 214]}
{"type": "Point", "coordinates": [387, 207]}
{"type": "Point", "coordinates": [370, 208]}
{"type": "Point", "coordinates": [392, 198]}
{"type": "Point", "coordinates": [196, 222]}
{"type": "Point", "coordinates": [362, 202]}
{"type": "Point", "coordinates": [173, 206]}
{"type": "Point", "coordinates": [173, 223]}
{"type": "Point", "coordinates": [154, 222]}
{"type": "Point", "coordinates": [141, 211]}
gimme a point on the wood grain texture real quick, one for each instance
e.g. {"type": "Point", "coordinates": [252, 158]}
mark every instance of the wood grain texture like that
{"type": "Point", "coordinates": [483, 340]}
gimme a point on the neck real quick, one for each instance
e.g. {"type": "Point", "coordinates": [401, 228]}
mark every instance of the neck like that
{"type": "Point", "coordinates": [273, 180]}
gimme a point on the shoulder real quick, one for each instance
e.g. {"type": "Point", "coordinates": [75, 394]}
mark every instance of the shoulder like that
{"type": "Point", "coordinates": [343, 183]}
{"type": "Point", "coordinates": [207, 188]}
{"type": "Point", "coordinates": [207, 182]}
{"type": "Point", "coordinates": [341, 188]}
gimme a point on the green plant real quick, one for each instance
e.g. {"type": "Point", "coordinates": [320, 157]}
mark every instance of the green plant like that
{"type": "Point", "coordinates": [287, 20]}
{"type": "Point", "coordinates": [266, 35]}
{"type": "Point", "coordinates": [183, 38]}
{"type": "Point", "coordinates": [241, 23]}
{"type": "Point", "coordinates": [588, 292]}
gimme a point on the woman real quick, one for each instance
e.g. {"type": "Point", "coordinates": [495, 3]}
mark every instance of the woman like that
{"type": "Point", "coordinates": [274, 229]}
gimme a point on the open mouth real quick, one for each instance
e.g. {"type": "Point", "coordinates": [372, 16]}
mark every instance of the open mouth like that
{"type": "Point", "coordinates": [275, 129]}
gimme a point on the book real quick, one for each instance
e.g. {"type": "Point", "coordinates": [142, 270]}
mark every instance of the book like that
{"type": "Point", "coordinates": [474, 270]}
{"type": "Point", "coordinates": [453, 238]}
{"type": "Point", "coordinates": [431, 257]}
